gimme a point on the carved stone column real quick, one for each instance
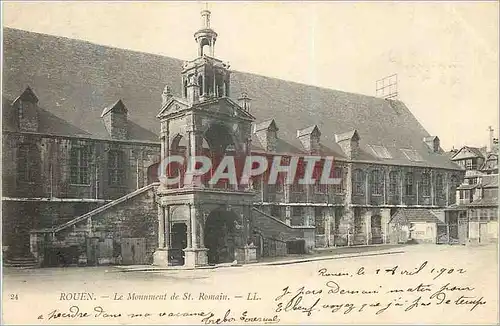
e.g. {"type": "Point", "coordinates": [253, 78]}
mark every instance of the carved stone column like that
{"type": "Point", "coordinates": [368, 226]}
{"type": "Point", "coordinates": [194, 255]}
{"type": "Point", "coordinates": [167, 227]}
{"type": "Point", "coordinates": [195, 138]}
{"type": "Point", "coordinates": [161, 255]}
{"type": "Point", "coordinates": [193, 220]}
{"type": "Point", "coordinates": [161, 227]}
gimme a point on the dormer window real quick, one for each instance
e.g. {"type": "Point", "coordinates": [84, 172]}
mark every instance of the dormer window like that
{"type": "Point", "coordinates": [115, 118]}
{"type": "Point", "coordinates": [20, 110]}
{"type": "Point", "coordinates": [27, 113]}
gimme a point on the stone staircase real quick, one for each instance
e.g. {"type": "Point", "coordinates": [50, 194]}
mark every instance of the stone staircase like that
{"type": "Point", "coordinates": [272, 227]}
{"type": "Point", "coordinates": [277, 233]}
{"type": "Point", "coordinates": [101, 209]}
{"type": "Point", "coordinates": [20, 262]}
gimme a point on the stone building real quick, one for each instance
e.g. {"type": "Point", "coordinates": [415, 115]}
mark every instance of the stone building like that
{"type": "Point", "coordinates": [83, 144]}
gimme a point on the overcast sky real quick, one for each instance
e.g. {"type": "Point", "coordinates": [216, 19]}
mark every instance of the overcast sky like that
{"type": "Point", "coordinates": [445, 54]}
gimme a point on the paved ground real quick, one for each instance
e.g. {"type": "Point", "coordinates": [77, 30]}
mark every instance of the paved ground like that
{"type": "Point", "coordinates": [323, 252]}
{"type": "Point", "coordinates": [320, 254]}
{"type": "Point", "coordinates": [473, 271]}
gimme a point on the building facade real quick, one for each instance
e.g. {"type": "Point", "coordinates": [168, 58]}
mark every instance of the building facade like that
{"type": "Point", "coordinates": [82, 159]}
{"type": "Point", "coordinates": [474, 216]}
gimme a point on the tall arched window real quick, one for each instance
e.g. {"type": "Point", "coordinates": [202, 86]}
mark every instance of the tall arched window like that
{"type": "Point", "coordinates": [79, 165]}
{"type": "Point", "coordinates": [409, 184]}
{"type": "Point", "coordinates": [200, 84]}
{"type": "Point", "coordinates": [425, 184]}
{"type": "Point", "coordinates": [337, 174]}
{"type": "Point", "coordinates": [358, 182]}
{"type": "Point", "coordinates": [393, 183]}
{"type": "Point", "coordinates": [28, 161]}
{"type": "Point", "coordinates": [116, 168]}
{"type": "Point", "coordinates": [376, 182]}
{"type": "Point", "coordinates": [439, 185]}
{"type": "Point", "coordinates": [185, 88]}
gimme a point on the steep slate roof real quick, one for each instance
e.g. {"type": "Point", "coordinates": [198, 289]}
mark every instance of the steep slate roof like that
{"type": "Point", "coordinates": [75, 80]}
{"type": "Point", "coordinates": [417, 215]}
{"type": "Point", "coordinates": [472, 153]}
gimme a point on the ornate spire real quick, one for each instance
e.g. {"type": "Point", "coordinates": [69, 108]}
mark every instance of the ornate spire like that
{"type": "Point", "coordinates": [205, 16]}
{"type": "Point", "coordinates": [205, 36]}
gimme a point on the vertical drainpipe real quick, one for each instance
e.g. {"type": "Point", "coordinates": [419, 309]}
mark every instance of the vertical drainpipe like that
{"type": "Point", "coordinates": [51, 180]}
{"type": "Point", "coordinates": [96, 178]}
{"type": "Point", "coordinates": [137, 172]}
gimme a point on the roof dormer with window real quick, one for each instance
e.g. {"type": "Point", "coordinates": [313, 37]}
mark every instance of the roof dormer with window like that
{"type": "Point", "coordinates": [27, 112]}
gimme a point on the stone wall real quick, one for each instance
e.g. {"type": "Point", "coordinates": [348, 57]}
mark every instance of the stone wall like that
{"type": "Point", "coordinates": [52, 169]}
{"type": "Point", "coordinates": [101, 238]}
{"type": "Point", "coordinates": [275, 233]}
{"type": "Point", "coordinates": [20, 217]}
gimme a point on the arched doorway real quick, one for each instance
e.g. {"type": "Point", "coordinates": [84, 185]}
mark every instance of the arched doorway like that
{"type": "Point", "coordinates": [221, 236]}
{"type": "Point", "coordinates": [178, 242]}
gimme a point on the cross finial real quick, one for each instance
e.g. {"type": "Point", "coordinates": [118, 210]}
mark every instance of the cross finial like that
{"type": "Point", "coordinates": [205, 14]}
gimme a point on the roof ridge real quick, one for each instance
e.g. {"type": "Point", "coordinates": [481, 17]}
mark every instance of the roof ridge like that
{"type": "Point", "coordinates": [89, 42]}
{"type": "Point", "coordinates": [182, 60]}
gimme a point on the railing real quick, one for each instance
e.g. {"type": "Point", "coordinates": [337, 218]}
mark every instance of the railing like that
{"type": "Point", "coordinates": [101, 208]}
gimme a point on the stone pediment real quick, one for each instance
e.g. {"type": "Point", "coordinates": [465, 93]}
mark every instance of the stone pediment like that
{"type": "Point", "coordinates": [174, 105]}
{"type": "Point", "coordinates": [227, 107]}
{"type": "Point", "coordinates": [223, 106]}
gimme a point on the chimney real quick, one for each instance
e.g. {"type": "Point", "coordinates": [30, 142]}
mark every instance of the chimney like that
{"type": "Point", "coordinates": [115, 120]}
{"type": "Point", "coordinates": [310, 139]}
{"type": "Point", "coordinates": [244, 102]}
{"type": "Point", "coordinates": [193, 91]}
{"type": "Point", "coordinates": [267, 133]}
{"type": "Point", "coordinates": [26, 110]}
{"type": "Point", "coordinates": [166, 95]}
{"type": "Point", "coordinates": [349, 142]}
{"type": "Point", "coordinates": [433, 143]}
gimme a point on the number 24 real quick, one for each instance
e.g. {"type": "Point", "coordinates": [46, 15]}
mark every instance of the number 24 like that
{"type": "Point", "coordinates": [14, 296]}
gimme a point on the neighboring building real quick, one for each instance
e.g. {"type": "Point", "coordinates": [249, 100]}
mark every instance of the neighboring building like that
{"type": "Point", "coordinates": [474, 216]}
{"type": "Point", "coordinates": [82, 149]}
{"type": "Point", "coordinates": [418, 226]}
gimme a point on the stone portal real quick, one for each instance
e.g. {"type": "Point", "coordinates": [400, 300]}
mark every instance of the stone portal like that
{"type": "Point", "coordinates": [221, 236]}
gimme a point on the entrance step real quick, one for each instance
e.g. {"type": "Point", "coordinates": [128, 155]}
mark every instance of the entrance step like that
{"type": "Point", "coordinates": [24, 262]}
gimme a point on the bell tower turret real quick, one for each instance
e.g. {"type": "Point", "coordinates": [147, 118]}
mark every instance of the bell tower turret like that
{"type": "Point", "coordinates": [210, 74]}
{"type": "Point", "coordinates": [206, 36]}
